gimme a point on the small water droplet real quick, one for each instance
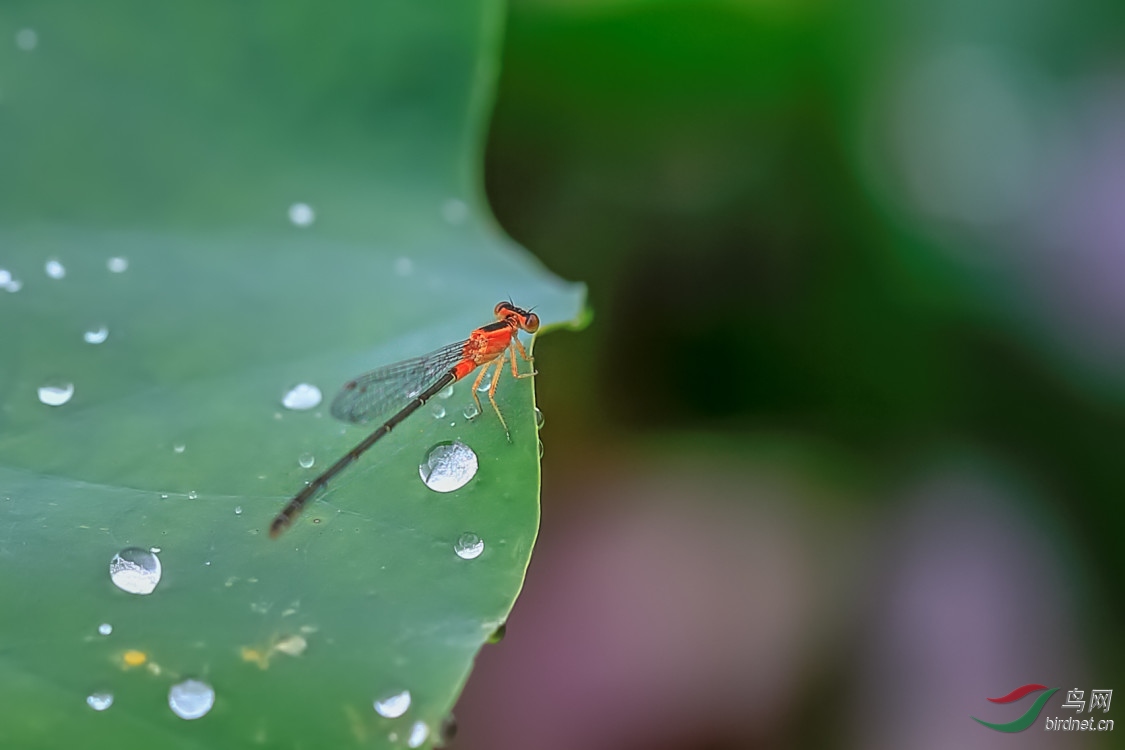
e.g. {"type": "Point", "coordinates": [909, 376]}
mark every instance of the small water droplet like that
{"type": "Point", "coordinates": [439, 411]}
{"type": "Point", "coordinates": [485, 384]}
{"type": "Point", "coordinates": [471, 411]}
{"type": "Point", "coordinates": [192, 495]}
{"type": "Point", "coordinates": [191, 699]}
{"type": "Point", "coordinates": [5, 276]}
{"type": "Point", "coordinates": [179, 447]}
{"type": "Point", "coordinates": [538, 418]}
{"type": "Point", "coordinates": [154, 550]}
{"type": "Point", "coordinates": [499, 633]}
{"type": "Point", "coordinates": [448, 729]}
{"type": "Point", "coordinates": [99, 701]}
{"type": "Point", "coordinates": [454, 211]}
{"type": "Point", "coordinates": [418, 734]}
{"type": "Point", "coordinates": [96, 335]}
{"type": "Point", "coordinates": [393, 706]}
{"type": "Point", "coordinates": [540, 449]}
{"type": "Point", "coordinates": [135, 570]}
{"type": "Point", "coordinates": [445, 392]}
{"type": "Point", "coordinates": [238, 510]}
{"type": "Point", "coordinates": [469, 546]}
{"type": "Point", "coordinates": [105, 628]}
{"type": "Point", "coordinates": [404, 266]}
{"type": "Point", "coordinates": [301, 214]}
{"type": "Point", "coordinates": [448, 466]}
{"type": "Point", "coordinates": [56, 394]}
{"type": "Point", "coordinates": [117, 264]}
{"type": "Point", "coordinates": [301, 397]}
{"type": "Point", "coordinates": [12, 285]}
{"type": "Point", "coordinates": [55, 269]}
{"type": "Point", "coordinates": [306, 460]}
{"type": "Point", "coordinates": [163, 495]}
{"type": "Point", "coordinates": [27, 39]}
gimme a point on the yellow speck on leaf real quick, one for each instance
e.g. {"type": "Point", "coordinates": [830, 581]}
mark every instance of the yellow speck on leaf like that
{"type": "Point", "coordinates": [134, 658]}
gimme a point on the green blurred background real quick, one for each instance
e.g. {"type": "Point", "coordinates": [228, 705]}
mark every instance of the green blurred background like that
{"type": "Point", "coordinates": [840, 457]}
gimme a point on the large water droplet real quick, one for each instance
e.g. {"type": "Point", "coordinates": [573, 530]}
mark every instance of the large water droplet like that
{"type": "Point", "coordinates": [55, 269]}
{"type": "Point", "coordinates": [96, 335]}
{"type": "Point", "coordinates": [306, 460]}
{"type": "Point", "coordinates": [445, 392]}
{"type": "Point", "coordinates": [135, 570]}
{"type": "Point", "coordinates": [191, 699]}
{"type": "Point", "coordinates": [454, 211]}
{"type": "Point", "coordinates": [56, 394]}
{"type": "Point", "coordinates": [538, 418]}
{"type": "Point", "coordinates": [438, 411]}
{"type": "Point", "coordinates": [192, 495]}
{"type": "Point", "coordinates": [27, 39]}
{"type": "Point", "coordinates": [393, 706]}
{"type": "Point", "coordinates": [301, 214]}
{"type": "Point", "coordinates": [471, 411]}
{"type": "Point", "coordinates": [468, 546]}
{"type": "Point", "coordinates": [105, 628]}
{"type": "Point", "coordinates": [99, 701]}
{"type": "Point", "coordinates": [117, 264]}
{"type": "Point", "coordinates": [238, 510]}
{"type": "Point", "coordinates": [301, 397]}
{"type": "Point", "coordinates": [418, 734]}
{"type": "Point", "coordinates": [448, 466]}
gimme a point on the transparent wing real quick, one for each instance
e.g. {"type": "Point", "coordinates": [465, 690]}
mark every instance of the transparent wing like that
{"type": "Point", "coordinates": [379, 392]}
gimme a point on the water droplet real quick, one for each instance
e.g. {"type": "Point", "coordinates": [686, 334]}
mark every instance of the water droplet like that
{"type": "Point", "coordinates": [454, 211]}
{"type": "Point", "coordinates": [499, 633]}
{"type": "Point", "coordinates": [301, 397]}
{"type": "Point", "coordinates": [135, 570]}
{"type": "Point", "coordinates": [99, 701]}
{"type": "Point", "coordinates": [96, 335]}
{"type": "Point", "coordinates": [56, 394]}
{"type": "Point", "coordinates": [55, 269]}
{"type": "Point", "coordinates": [485, 384]}
{"type": "Point", "coordinates": [5, 276]}
{"type": "Point", "coordinates": [448, 729]}
{"type": "Point", "coordinates": [191, 699]}
{"type": "Point", "coordinates": [301, 214]}
{"type": "Point", "coordinates": [8, 283]}
{"type": "Point", "coordinates": [306, 460]}
{"type": "Point", "coordinates": [163, 495]}
{"type": "Point", "coordinates": [192, 495]}
{"type": "Point", "coordinates": [117, 264]}
{"type": "Point", "coordinates": [404, 266]}
{"type": "Point", "coordinates": [27, 39]}
{"type": "Point", "coordinates": [154, 550]}
{"type": "Point", "coordinates": [179, 447]}
{"type": "Point", "coordinates": [471, 411]}
{"type": "Point", "coordinates": [393, 706]}
{"type": "Point", "coordinates": [468, 546]}
{"type": "Point", "coordinates": [418, 734]}
{"type": "Point", "coordinates": [105, 628]}
{"type": "Point", "coordinates": [445, 392]}
{"type": "Point", "coordinates": [538, 418]}
{"type": "Point", "coordinates": [238, 510]}
{"type": "Point", "coordinates": [448, 466]}
{"type": "Point", "coordinates": [540, 449]}
{"type": "Point", "coordinates": [439, 411]}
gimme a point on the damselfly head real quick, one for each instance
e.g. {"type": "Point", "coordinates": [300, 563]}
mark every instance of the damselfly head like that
{"type": "Point", "coordinates": [517, 316]}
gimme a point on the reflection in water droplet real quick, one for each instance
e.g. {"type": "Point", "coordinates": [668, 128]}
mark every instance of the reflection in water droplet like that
{"type": "Point", "coordinates": [191, 699]}
{"type": "Point", "coordinates": [192, 495]}
{"type": "Point", "coordinates": [301, 214]}
{"type": "Point", "coordinates": [468, 546]}
{"type": "Point", "coordinates": [179, 447]}
{"type": "Point", "coordinates": [301, 397]}
{"type": "Point", "coordinates": [538, 417]}
{"type": "Point", "coordinates": [96, 335]}
{"type": "Point", "coordinates": [471, 411]}
{"type": "Point", "coordinates": [439, 411]}
{"type": "Point", "coordinates": [485, 384]}
{"type": "Point", "coordinates": [55, 269]}
{"type": "Point", "coordinates": [117, 264]}
{"type": "Point", "coordinates": [99, 701]}
{"type": "Point", "coordinates": [448, 466]}
{"type": "Point", "coordinates": [393, 706]}
{"type": "Point", "coordinates": [238, 510]}
{"type": "Point", "coordinates": [418, 734]}
{"type": "Point", "coordinates": [445, 392]}
{"type": "Point", "coordinates": [105, 628]}
{"type": "Point", "coordinates": [135, 570]}
{"type": "Point", "coordinates": [306, 460]}
{"type": "Point", "coordinates": [27, 39]}
{"type": "Point", "coordinates": [454, 211]}
{"type": "Point", "coordinates": [56, 394]}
